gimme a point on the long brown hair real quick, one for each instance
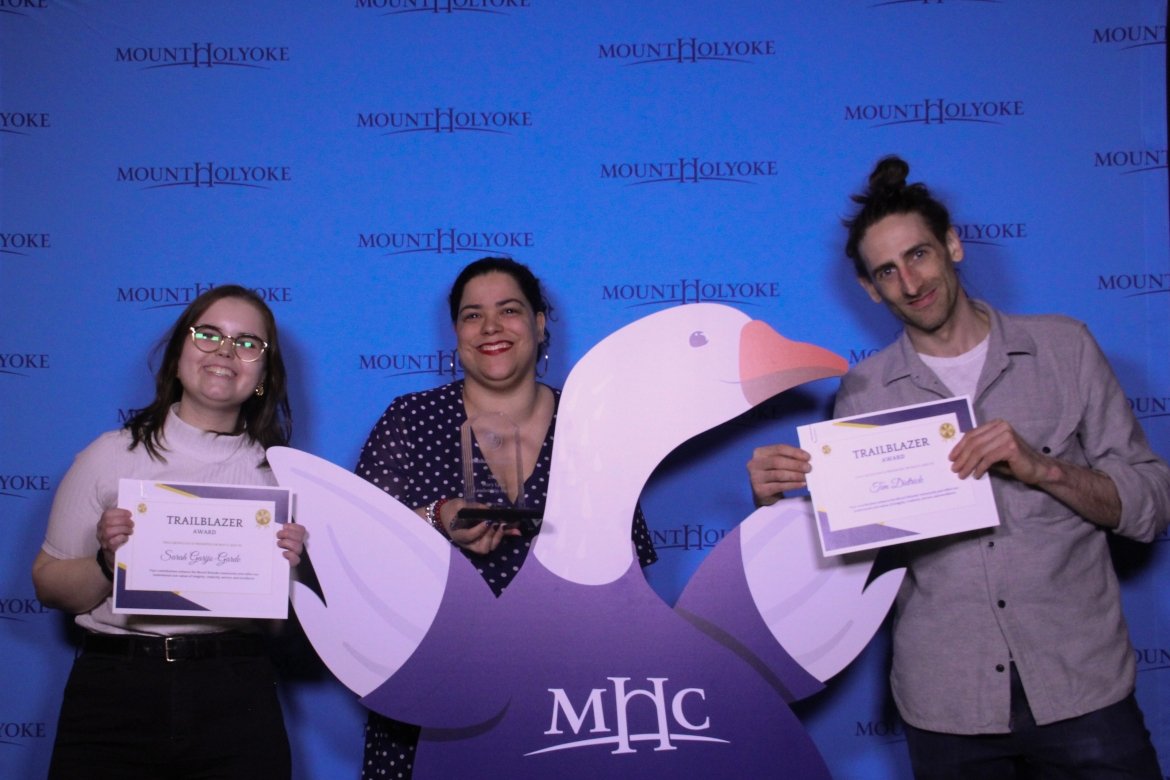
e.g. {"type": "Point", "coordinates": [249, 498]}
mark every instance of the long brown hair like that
{"type": "Point", "coordinates": [265, 419]}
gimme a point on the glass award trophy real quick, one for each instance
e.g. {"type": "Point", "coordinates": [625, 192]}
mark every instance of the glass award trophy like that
{"type": "Point", "coordinates": [498, 440]}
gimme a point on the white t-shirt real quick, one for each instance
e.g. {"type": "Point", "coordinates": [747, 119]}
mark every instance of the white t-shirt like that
{"type": "Point", "coordinates": [961, 373]}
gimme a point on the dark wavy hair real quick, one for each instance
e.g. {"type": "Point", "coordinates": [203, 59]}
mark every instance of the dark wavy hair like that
{"type": "Point", "coordinates": [526, 280]}
{"type": "Point", "coordinates": [888, 193]}
{"type": "Point", "coordinates": [265, 419]}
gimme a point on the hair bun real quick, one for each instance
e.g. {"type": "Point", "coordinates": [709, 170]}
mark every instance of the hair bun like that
{"type": "Point", "coordinates": [889, 175]}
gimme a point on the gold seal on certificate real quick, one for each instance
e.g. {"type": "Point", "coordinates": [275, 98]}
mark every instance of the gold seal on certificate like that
{"type": "Point", "coordinates": [201, 549]}
{"type": "Point", "coordinates": [884, 477]}
{"type": "Point", "coordinates": [491, 442]}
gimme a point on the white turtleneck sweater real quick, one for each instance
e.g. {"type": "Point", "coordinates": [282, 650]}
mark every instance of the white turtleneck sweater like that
{"type": "Point", "coordinates": [91, 486]}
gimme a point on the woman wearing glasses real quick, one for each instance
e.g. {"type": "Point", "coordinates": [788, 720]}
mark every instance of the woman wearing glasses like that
{"type": "Point", "coordinates": [500, 315]}
{"type": "Point", "coordinates": [160, 696]}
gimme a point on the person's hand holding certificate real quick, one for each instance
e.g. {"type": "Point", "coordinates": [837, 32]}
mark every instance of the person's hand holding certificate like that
{"type": "Point", "coordinates": [885, 478]}
{"type": "Point", "coordinates": [206, 550]}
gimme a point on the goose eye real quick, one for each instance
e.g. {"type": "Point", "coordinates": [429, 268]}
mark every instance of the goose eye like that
{"type": "Point", "coordinates": [698, 339]}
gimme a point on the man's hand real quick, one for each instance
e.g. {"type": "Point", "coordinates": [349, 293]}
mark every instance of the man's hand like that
{"type": "Point", "coordinates": [775, 469]}
{"type": "Point", "coordinates": [996, 445]}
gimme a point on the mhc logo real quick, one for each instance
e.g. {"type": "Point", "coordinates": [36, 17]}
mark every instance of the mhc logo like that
{"type": "Point", "coordinates": [204, 175]}
{"type": "Point", "coordinates": [173, 297]}
{"type": "Point", "coordinates": [445, 120]}
{"type": "Point", "coordinates": [936, 111]}
{"type": "Point", "coordinates": [448, 241]}
{"type": "Point", "coordinates": [686, 50]}
{"type": "Point", "coordinates": [690, 291]}
{"type": "Point", "coordinates": [394, 7]}
{"type": "Point", "coordinates": [202, 55]}
{"type": "Point", "coordinates": [690, 170]}
{"type": "Point", "coordinates": [673, 717]}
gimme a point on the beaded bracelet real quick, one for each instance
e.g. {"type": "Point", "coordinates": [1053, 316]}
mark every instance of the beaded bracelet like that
{"type": "Point", "coordinates": [439, 515]}
{"type": "Point", "coordinates": [434, 515]}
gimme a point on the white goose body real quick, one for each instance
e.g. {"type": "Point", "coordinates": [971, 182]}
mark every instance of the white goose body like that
{"type": "Point", "coordinates": [579, 669]}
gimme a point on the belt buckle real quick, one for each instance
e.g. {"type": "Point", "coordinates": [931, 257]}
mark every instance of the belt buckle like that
{"type": "Point", "coordinates": [167, 648]}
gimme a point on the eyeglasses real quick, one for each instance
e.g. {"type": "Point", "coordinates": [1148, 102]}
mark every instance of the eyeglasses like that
{"type": "Point", "coordinates": [208, 338]}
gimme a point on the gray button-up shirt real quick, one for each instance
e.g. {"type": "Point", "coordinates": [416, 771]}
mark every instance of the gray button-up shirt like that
{"type": "Point", "coordinates": [1039, 590]}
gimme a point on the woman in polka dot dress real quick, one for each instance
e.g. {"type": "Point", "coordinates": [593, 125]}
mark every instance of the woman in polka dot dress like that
{"type": "Point", "coordinates": [414, 452]}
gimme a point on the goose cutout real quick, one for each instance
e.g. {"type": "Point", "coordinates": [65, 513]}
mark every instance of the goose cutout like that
{"type": "Point", "coordinates": [579, 669]}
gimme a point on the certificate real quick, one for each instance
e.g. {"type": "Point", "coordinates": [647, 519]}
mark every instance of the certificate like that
{"type": "Point", "coordinates": [206, 550]}
{"type": "Point", "coordinates": [884, 478]}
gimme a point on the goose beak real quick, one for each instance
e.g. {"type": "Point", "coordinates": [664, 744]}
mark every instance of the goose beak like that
{"type": "Point", "coordinates": [770, 364]}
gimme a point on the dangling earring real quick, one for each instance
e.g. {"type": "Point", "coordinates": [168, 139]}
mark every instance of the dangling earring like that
{"type": "Point", "coordinates": [259, 390]}
{"type": "Point", "coordinates": [543, 369]}
{"type": "Point", "coordinates": [451, 361]}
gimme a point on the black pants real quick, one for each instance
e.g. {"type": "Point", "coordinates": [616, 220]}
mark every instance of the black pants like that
{"type": "Point", "coordinates": [1111, 743]}
{"type": "Point", "coordinates": [131, 717]}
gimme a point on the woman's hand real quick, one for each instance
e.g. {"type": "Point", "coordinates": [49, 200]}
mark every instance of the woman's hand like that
{"type": "Point", "coordinates": [291, 539]}
{"type": "Point", "coordinates": [113, 530]}
{"type": "Point", "coordinates": [77, 585]}
{"type": "Point", "coordinates": [481, 538]}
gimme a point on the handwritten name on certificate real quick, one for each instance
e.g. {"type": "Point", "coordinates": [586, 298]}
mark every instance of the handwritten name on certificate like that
{"type": "Point", "coordinates": [200, 549]}
{"type": "Point", "coordinates": [885, 478]}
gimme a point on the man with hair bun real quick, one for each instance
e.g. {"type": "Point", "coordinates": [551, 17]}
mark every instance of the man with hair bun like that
{"type": "Point", "coordinates": [1011, 656]}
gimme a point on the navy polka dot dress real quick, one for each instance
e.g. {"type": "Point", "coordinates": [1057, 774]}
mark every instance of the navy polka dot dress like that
{"type": "Point", "coordinates": [414, 453]}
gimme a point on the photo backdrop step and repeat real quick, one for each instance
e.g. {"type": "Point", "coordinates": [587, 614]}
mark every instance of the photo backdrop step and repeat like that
{"type": "Point", "coordinates": [347, 157]}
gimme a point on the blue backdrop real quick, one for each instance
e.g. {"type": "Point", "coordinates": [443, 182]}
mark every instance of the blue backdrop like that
{"type": "Point", "coordinates": [347, 157]}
